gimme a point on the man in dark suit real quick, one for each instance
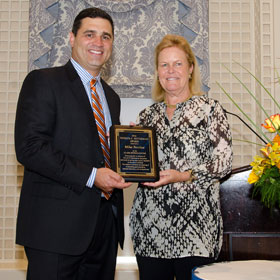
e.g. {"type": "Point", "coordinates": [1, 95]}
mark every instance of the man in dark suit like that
{"type": "Point", "coordinates": [68, 228]}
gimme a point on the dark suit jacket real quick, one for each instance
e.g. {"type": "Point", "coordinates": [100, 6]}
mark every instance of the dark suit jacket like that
{"type": "Point", "coordinates": [57, 142]}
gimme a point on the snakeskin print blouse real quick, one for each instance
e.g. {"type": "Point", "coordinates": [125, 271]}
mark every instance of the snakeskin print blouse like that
{"type": "Point", "coordinates": [184, 219]}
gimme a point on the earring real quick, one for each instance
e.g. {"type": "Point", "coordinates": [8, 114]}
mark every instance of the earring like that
{"type": "Point", "coordinates": [190, 76]}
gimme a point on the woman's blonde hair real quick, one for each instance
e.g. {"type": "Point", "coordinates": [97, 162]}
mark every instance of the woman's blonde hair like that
{"type": "Point", "coordinates": [180, 42]}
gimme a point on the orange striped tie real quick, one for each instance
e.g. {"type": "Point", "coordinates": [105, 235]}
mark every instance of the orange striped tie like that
{"type": "Point", "coordinates": [100, 124]}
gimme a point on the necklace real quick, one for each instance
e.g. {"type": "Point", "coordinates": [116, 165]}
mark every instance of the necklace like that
{"type": "Point", "coordinates": [174, 105]}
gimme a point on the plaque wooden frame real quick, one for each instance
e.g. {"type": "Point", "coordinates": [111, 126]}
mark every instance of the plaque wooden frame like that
{"type": "Point", "coordinates": [134, 153]}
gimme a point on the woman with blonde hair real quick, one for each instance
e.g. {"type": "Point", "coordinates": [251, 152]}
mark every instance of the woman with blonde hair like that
{"type": "Point", "coordinates": [176, 223]}
{"type": "Point", "coordinates": [194, 78]}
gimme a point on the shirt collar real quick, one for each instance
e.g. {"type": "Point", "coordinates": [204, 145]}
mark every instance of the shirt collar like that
{"type": "Point", "coordinates": [85, 76]}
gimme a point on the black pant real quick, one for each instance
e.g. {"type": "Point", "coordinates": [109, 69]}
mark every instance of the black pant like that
{"type": "Point", "coordinates": [97, 263]}
{"type": "Point", "coordinates": [167, 269]}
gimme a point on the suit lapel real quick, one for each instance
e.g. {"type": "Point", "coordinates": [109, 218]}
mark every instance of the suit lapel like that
{"type": "Point", "coordinates": [79, 92]}
{"type": "Point", "coordinates": [112, 106]}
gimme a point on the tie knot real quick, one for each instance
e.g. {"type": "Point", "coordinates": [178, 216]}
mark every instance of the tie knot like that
{"type": "Point", "coordinates": [92, 83]}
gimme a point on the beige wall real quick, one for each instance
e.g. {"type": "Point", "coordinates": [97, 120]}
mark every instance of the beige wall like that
{"type": "Point", "coordinates": [13, 68]}
{"type": "Point", "coordinates": [241, 30]}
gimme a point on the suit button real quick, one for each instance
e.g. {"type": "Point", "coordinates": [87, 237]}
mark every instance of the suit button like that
{"type": "Point", "coordinates": [102, 163]}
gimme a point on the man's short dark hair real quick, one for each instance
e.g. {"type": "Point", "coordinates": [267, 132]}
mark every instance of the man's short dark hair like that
{"type": "Point", "coordinates": [91, 13]}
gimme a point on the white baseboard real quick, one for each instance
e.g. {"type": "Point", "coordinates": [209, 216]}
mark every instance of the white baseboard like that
{"type": "Point", "coordinates": [126, 269]}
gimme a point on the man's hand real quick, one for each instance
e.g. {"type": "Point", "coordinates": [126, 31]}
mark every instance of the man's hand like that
{"type": "Point", "coordinates": [107, 180]}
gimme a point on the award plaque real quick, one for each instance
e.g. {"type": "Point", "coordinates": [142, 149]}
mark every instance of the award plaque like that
{"type": "Point", "coordinates": [134, 153]}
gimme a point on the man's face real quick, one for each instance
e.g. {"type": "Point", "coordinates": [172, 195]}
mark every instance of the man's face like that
{"type": "Point", "coordinates": [92, 46]}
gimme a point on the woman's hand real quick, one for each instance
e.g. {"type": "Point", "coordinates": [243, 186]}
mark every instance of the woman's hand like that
{"type": "Point", "coordinates": [169, 176]}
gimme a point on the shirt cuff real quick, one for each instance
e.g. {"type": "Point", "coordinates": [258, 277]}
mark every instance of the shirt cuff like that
{"type": "Point", "coordinates": [91, 178]}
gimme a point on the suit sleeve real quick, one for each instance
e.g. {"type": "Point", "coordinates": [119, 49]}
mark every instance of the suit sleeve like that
{"type": "Point", "coordinates": [35, 127]}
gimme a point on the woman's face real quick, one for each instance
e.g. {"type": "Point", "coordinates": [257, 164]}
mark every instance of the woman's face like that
{"type": "Point", "coordinates": [174, 71]}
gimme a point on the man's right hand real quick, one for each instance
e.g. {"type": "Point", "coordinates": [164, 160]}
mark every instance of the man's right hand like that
{"type": "Point", "coordinates": [107, 180]}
